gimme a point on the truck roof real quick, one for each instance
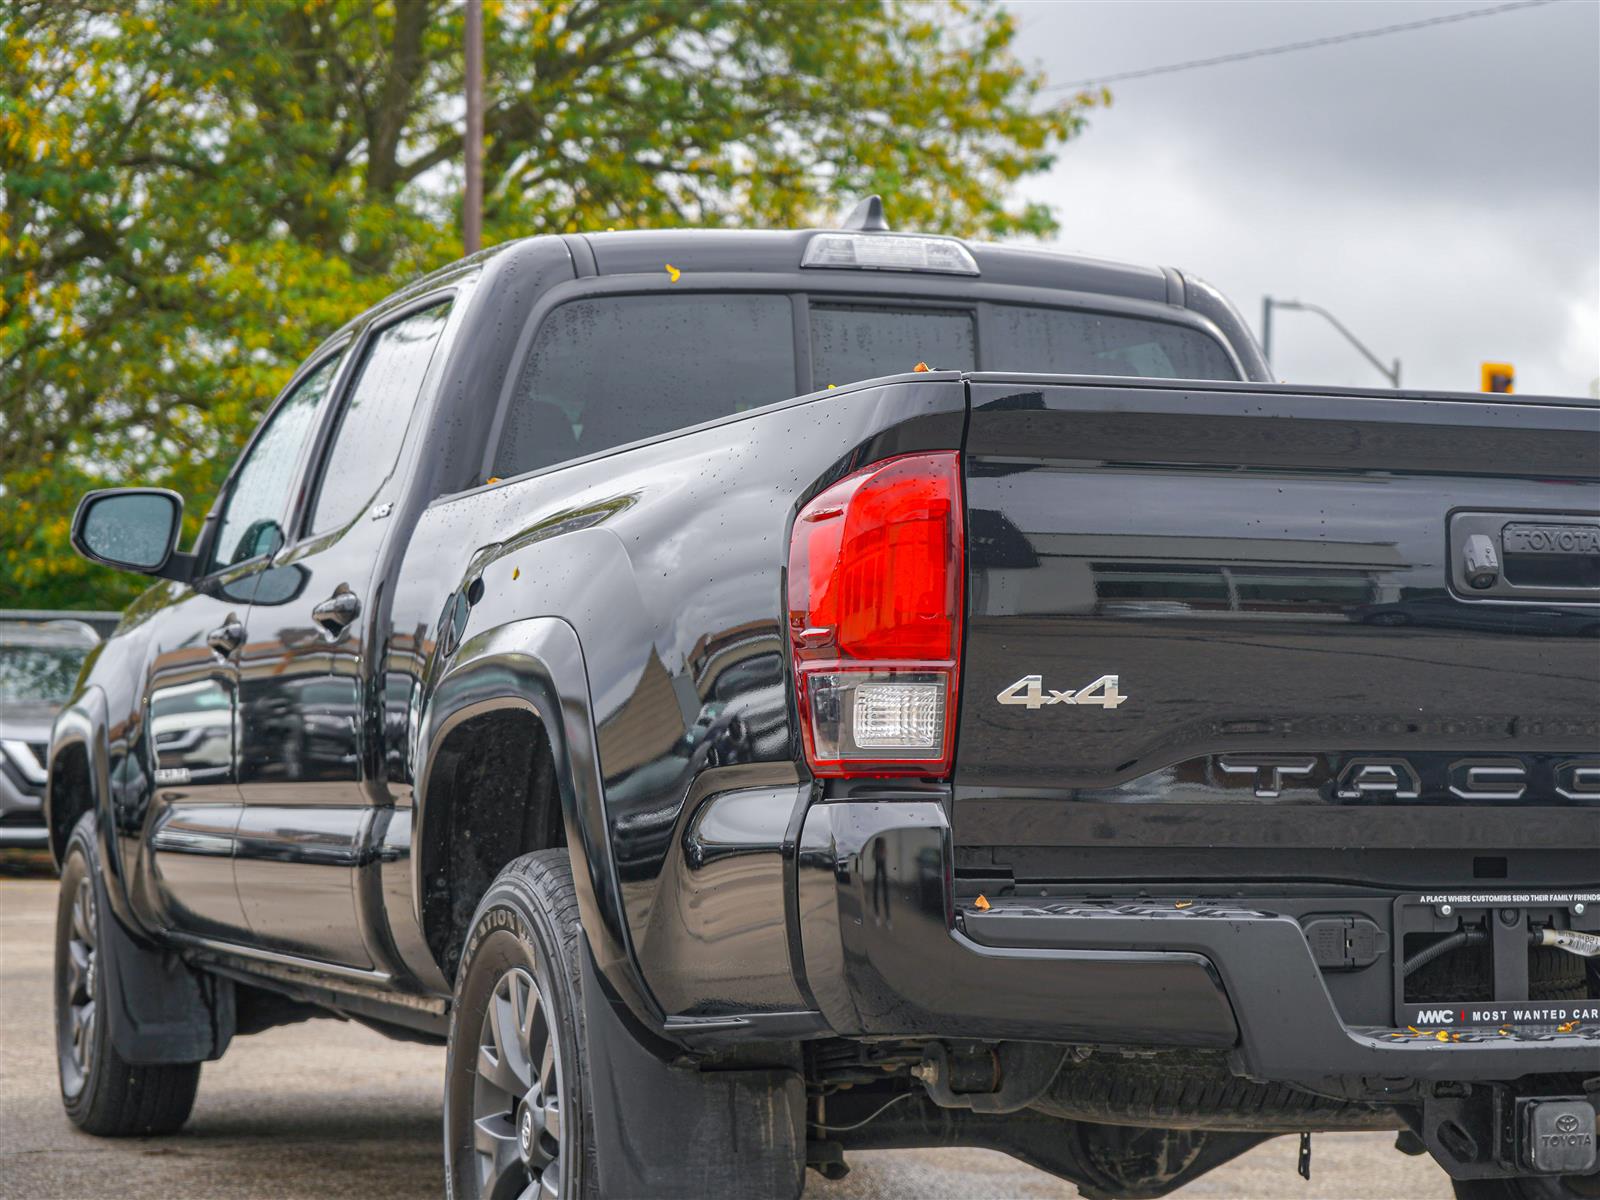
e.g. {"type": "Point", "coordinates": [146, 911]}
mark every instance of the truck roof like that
{"type": "Point", "coordinates": [631, 252]}
{"type": "Point", "coordinates": [772, 259]}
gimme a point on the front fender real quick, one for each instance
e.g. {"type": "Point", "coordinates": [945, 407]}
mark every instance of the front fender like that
{"type": "Point", "coordinates": [82, 722]}
{"type": "Point", "coordinates": [537, 665]}
{"type": "Point", "coordinates": [86, 722]}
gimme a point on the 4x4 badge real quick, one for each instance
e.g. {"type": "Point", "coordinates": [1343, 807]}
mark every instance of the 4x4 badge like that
{"type": "Point", "coordinates": [1030, 692]}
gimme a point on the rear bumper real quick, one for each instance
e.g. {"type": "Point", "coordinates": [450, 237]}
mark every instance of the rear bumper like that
{"type": "Point", "coordinates": [887, 952]}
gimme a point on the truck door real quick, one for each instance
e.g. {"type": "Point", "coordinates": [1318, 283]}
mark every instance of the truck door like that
{"type": "Point", "coordinates": [306, 679]}
{"type": "Point", "coordinates": [191, 694]}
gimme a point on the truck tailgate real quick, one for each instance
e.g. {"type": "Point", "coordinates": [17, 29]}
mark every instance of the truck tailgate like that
{"type": "Point", "coordinates": [1277, 582]}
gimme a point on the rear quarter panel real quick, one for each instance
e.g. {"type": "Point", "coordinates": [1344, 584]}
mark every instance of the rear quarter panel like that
{"type": "Point", "coordinates": [667, 558]}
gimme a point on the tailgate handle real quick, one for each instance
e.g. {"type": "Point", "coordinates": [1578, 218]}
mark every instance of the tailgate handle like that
{"type": "Point", "coordinates": [1526, 556]}
{"type": "Point", "coordinates": [1554, 555]}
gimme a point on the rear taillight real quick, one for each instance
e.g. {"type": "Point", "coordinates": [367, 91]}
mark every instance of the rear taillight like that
{"type": "Point", "coordinates": [875, 585]}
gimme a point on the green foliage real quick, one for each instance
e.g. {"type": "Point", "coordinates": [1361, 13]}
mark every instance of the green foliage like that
{"type": "Point", "coordinates": [193, 195]}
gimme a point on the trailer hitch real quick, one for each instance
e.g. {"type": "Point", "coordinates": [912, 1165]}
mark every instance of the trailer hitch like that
{"type": "Point", "coordinates": [1489, 1132]}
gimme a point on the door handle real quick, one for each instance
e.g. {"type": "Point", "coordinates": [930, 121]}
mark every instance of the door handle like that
{"type": "Point", "coordinates": [227, 637]}
{"type": "Point", "coordinates": [335, 613]}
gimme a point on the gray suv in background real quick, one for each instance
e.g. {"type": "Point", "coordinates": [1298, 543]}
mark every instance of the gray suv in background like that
{"type": "Point", "coordinates": [39, 663]}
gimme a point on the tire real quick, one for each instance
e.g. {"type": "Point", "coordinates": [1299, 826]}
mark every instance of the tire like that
{"type": "Point", "coordinates": [1553, 975]}
{"type": "Point", "coordinates": [1540, 1187]}
{"type": "Point", "coordinates": [519, 1124]}
{"type": "Point", "coordinates": [102, 1093]}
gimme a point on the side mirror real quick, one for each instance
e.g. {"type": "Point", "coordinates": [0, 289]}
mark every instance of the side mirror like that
{"type": "Point", "coordinates": [132, 529]}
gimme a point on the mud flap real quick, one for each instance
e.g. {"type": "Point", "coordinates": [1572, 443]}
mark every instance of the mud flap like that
{"type": "Point", "coordinates": [159, 1010]}
{"type": "Point", "coordinates": [666, 1132]}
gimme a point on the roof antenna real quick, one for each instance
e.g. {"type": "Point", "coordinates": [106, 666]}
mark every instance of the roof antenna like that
{"type": "Point", "coordinates": [867, 216]}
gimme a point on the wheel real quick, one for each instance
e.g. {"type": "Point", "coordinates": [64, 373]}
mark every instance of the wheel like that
{"type": "Point", "coordinates": [102, 1093]}
{"type": "Point", "coordinates": [1538, 1187]}
{"type": "Point", "coordinates": [517, 1098]}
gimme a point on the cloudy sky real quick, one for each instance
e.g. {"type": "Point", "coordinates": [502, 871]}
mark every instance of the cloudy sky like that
{"type": "Point", "coordinates": [1438, 190]}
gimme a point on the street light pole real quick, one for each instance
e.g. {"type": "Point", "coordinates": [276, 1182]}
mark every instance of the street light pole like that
{"type": "Point", "coordinates": [472, 201]}
{"type": "Point", "coordinates": [1391, 373]}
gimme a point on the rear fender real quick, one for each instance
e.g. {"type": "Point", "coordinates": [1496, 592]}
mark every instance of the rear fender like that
{"type": "Point", "coordinates": [537, 665]}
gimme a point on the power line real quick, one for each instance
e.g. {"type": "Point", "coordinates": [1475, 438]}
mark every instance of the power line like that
{"type": "Point", "coordinates": [1312, 44]}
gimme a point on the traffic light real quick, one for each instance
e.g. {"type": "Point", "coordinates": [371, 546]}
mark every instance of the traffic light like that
{"type": "Point", "coordinates": [1497, 377]}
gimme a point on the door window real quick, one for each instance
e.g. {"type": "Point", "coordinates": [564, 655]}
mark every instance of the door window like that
{"type": "Point", "coordinates": [252, 516]}
{"type": "Point", "coordinates": [372, 423]}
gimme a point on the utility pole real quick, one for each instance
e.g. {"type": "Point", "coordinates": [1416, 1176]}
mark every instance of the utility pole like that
{"type": "Point", "coordinates": [1391, 373]}
{"type": "Point", "coordinates": [472, 202]}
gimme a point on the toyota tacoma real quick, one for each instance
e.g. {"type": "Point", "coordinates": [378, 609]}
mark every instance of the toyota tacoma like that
{"type": "Point", "coordinates": [760, 695]}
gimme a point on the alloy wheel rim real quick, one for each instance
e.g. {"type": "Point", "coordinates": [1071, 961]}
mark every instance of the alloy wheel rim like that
{"type": "Point", "coordinates": [516, 1095]}
{"type": "Point", "coordinates": [81, 966]}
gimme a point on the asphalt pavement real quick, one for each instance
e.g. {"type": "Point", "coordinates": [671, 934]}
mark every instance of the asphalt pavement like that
{"type": "Point", "coordinates": [328, 1109]}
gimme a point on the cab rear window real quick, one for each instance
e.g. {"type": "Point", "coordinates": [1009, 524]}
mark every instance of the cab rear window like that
{"type": "Point", "coordinates": [852, 341]}
{"type": "Point", "coordinates": [1060, 341]}
{"type": "Point", "coordinates": [608, 370]}
{"type": "Point", "coordinates": [614, 369]}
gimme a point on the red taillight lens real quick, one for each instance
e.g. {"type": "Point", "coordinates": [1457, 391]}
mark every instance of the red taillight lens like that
{"type": "Point", "coordinates": [875, 585]}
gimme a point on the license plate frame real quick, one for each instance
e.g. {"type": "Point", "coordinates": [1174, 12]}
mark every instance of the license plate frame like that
{"type": "Point", "coordinates": [1506, 916]}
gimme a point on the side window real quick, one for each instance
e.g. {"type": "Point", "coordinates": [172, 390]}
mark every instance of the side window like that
{"type": "Point", "coordinates": [251, 516]}
{"type": "Point", "coordinates": [372, 423]}
{"type": "Point", "coordinates": [615, 369]}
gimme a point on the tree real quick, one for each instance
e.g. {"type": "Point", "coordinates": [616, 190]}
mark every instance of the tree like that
{"type": "Point", "coordinates": [193, 195]}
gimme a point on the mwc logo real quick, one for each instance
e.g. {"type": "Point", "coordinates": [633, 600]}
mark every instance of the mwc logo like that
{"type": "Point", "coordinates": [1436, 1016]}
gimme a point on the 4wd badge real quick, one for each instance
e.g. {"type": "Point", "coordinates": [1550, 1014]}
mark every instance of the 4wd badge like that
{"type": "Point", "coordinates": [1030, 692]}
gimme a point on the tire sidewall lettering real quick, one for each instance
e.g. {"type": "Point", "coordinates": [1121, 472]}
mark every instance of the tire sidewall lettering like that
{"type": "Point", "coordinates": [502, 918]}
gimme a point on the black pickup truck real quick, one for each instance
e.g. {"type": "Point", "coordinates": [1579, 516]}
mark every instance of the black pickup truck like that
{"type": "Point", "coordinates": [759, 695]}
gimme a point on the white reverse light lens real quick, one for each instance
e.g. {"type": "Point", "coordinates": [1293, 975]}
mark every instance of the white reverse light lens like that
{"type": "Point", "coordinates": [878, 716]}
{"type": "Point", "coordinates": [888, 252]}
{"type": "Point", "coordinates": [898, 716]}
